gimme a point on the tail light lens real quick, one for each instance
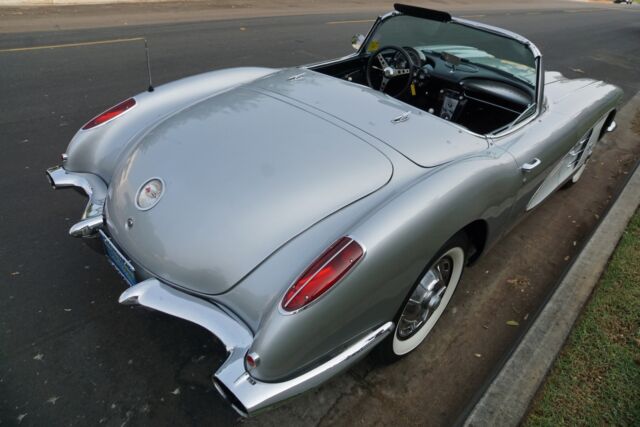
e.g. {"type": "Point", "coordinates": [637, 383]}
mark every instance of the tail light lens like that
{"type": "Point", "coordinates": [111, 113]}
{"type": "Point", "coordinates": [325, 272]}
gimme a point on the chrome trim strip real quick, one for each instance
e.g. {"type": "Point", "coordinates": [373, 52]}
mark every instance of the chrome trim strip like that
{"type": "Point", "coordinates": [256, 395]}
{"type": "Point", "coordinates": [93, 186]}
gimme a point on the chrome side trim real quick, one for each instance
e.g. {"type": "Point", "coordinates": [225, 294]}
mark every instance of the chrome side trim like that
{"type": "Point", "coordinates": [93, 186]}
{"type": "Point", "coordinates": [254, 395]}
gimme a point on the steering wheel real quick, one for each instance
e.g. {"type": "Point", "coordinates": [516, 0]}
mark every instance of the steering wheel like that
{"type": "Point", "coordinates": [377, 64]}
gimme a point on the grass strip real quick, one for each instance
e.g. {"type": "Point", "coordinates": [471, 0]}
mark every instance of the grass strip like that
{"type": "Point", "coordinates": [596, 378]}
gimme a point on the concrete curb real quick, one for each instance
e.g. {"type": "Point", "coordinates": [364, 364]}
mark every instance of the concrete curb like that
{"type": "Point", "coordinates": [507, 399]}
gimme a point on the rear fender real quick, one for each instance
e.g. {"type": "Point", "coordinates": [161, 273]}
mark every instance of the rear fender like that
{"type": "Point", "coordinates": [399, 236]}
{"type": "Point", "coordinates": [98, 149]}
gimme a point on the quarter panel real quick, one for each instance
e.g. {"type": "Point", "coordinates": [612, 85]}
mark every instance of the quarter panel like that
{"type": "Point", "coordinates": [99, 149]}
{"type": "Point", "coordinates": [400, 236]}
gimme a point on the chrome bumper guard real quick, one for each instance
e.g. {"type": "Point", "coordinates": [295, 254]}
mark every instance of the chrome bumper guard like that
{"type": "Point", "coordinates": [93, 186]}
{"type": "Point", "coordinates": [246, 394]}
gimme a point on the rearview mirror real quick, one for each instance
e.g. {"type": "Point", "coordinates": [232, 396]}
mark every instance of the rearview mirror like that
{"type": "Point", "coordinates": [356, 41]}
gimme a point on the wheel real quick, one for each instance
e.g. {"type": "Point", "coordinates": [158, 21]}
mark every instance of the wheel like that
{"type": "Point", "coordinates": [427, 300]}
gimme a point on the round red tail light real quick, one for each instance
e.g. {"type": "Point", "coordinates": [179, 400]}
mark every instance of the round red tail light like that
{"type": "Point", "coordinates": [110, 114]}
{"type": "Point", "coordinates": [325, 272]}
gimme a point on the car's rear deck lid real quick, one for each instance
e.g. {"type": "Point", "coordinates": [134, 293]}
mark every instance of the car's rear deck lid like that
{"type": "Point", "coordinates": [423, 138]}
{"type": "Point", "coordinates": [243, 174]}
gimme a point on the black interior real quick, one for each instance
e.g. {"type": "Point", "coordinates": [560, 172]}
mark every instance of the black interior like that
{"type": "Point", "coordinates": [480, 98]}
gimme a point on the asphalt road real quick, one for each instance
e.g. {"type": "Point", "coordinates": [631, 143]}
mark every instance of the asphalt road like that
{"type": "Point", "coordinates": [69, 354]}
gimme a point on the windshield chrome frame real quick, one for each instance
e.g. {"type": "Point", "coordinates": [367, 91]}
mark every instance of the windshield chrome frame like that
{"type": "Point", "coordinates": [539, 95]}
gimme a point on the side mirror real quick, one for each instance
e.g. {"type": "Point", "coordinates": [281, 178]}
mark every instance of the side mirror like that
{"type": "Point", "coordinates": [356, 41]}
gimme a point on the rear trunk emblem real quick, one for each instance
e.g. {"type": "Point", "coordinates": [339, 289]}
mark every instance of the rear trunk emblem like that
{"type": "Point", "coordinates": [149, 194]}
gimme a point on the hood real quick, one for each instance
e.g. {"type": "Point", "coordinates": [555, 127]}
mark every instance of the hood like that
{"type": "Point", "coordinates": [244, 173]}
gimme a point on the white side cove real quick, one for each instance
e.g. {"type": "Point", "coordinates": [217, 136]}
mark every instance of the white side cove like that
{"type": "Point", "coordinates": [571, 165]}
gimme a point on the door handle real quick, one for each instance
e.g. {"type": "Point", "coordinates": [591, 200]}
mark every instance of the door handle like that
{"type": "Point", "coordinates": [528, 167]}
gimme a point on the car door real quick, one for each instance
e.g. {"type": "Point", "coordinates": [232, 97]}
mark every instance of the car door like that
{"type": "Point", "coordinates": [538, 148]}
{"type": "Point", "coordinates": [572, 163]}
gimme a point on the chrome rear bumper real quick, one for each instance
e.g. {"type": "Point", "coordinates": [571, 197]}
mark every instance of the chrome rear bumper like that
{"type": "Point", "coordinates": [246, 394]}
{"type": "Point", "coordinates": [93, 186]}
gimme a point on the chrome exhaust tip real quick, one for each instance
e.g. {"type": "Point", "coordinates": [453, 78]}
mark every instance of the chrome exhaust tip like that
{"type": "Point", "coordinates": [230, 398]}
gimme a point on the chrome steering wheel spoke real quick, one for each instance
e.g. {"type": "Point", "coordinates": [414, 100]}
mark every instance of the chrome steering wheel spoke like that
{"type": "Point", "coordinates": [382, 61]}
{"type": "Point", "coordinates": [383, 83]}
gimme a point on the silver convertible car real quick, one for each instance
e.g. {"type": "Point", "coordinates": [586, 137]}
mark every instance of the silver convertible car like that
{"type": "Point", "coordinates": [307, 215]}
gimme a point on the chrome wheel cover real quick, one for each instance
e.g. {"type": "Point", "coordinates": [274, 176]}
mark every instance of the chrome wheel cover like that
{"type": "Point", "coordinates": [428, 301]}
{"type": "Point", "coordinates": [425, 298]}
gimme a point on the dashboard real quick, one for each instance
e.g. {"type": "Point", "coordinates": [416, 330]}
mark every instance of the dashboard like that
{"type": "Point", "coordinates": [478, 97]}
{"type": "Point", "coordinates": [471, 81]}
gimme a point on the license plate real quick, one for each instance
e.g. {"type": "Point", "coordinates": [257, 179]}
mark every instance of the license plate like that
{"type": "Point", "coordinates": [118, 260]}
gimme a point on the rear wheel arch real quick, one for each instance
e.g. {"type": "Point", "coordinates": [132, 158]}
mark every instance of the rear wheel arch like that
{"type": "Point", "coordinates": [391, 349]}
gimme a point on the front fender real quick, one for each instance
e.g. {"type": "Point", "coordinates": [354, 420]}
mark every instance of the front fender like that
{"type": "Point", "coordinates": [98, 150]}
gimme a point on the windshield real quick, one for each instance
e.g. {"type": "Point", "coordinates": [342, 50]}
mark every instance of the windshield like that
{"type": "Point", "coordinates": [459, 43]}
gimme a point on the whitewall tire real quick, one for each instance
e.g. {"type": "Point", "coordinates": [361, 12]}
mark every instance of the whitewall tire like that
{"type": "Point", "coordinates": [434, 292]}
{"type": "Point", "coordinates": [427, 301]}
